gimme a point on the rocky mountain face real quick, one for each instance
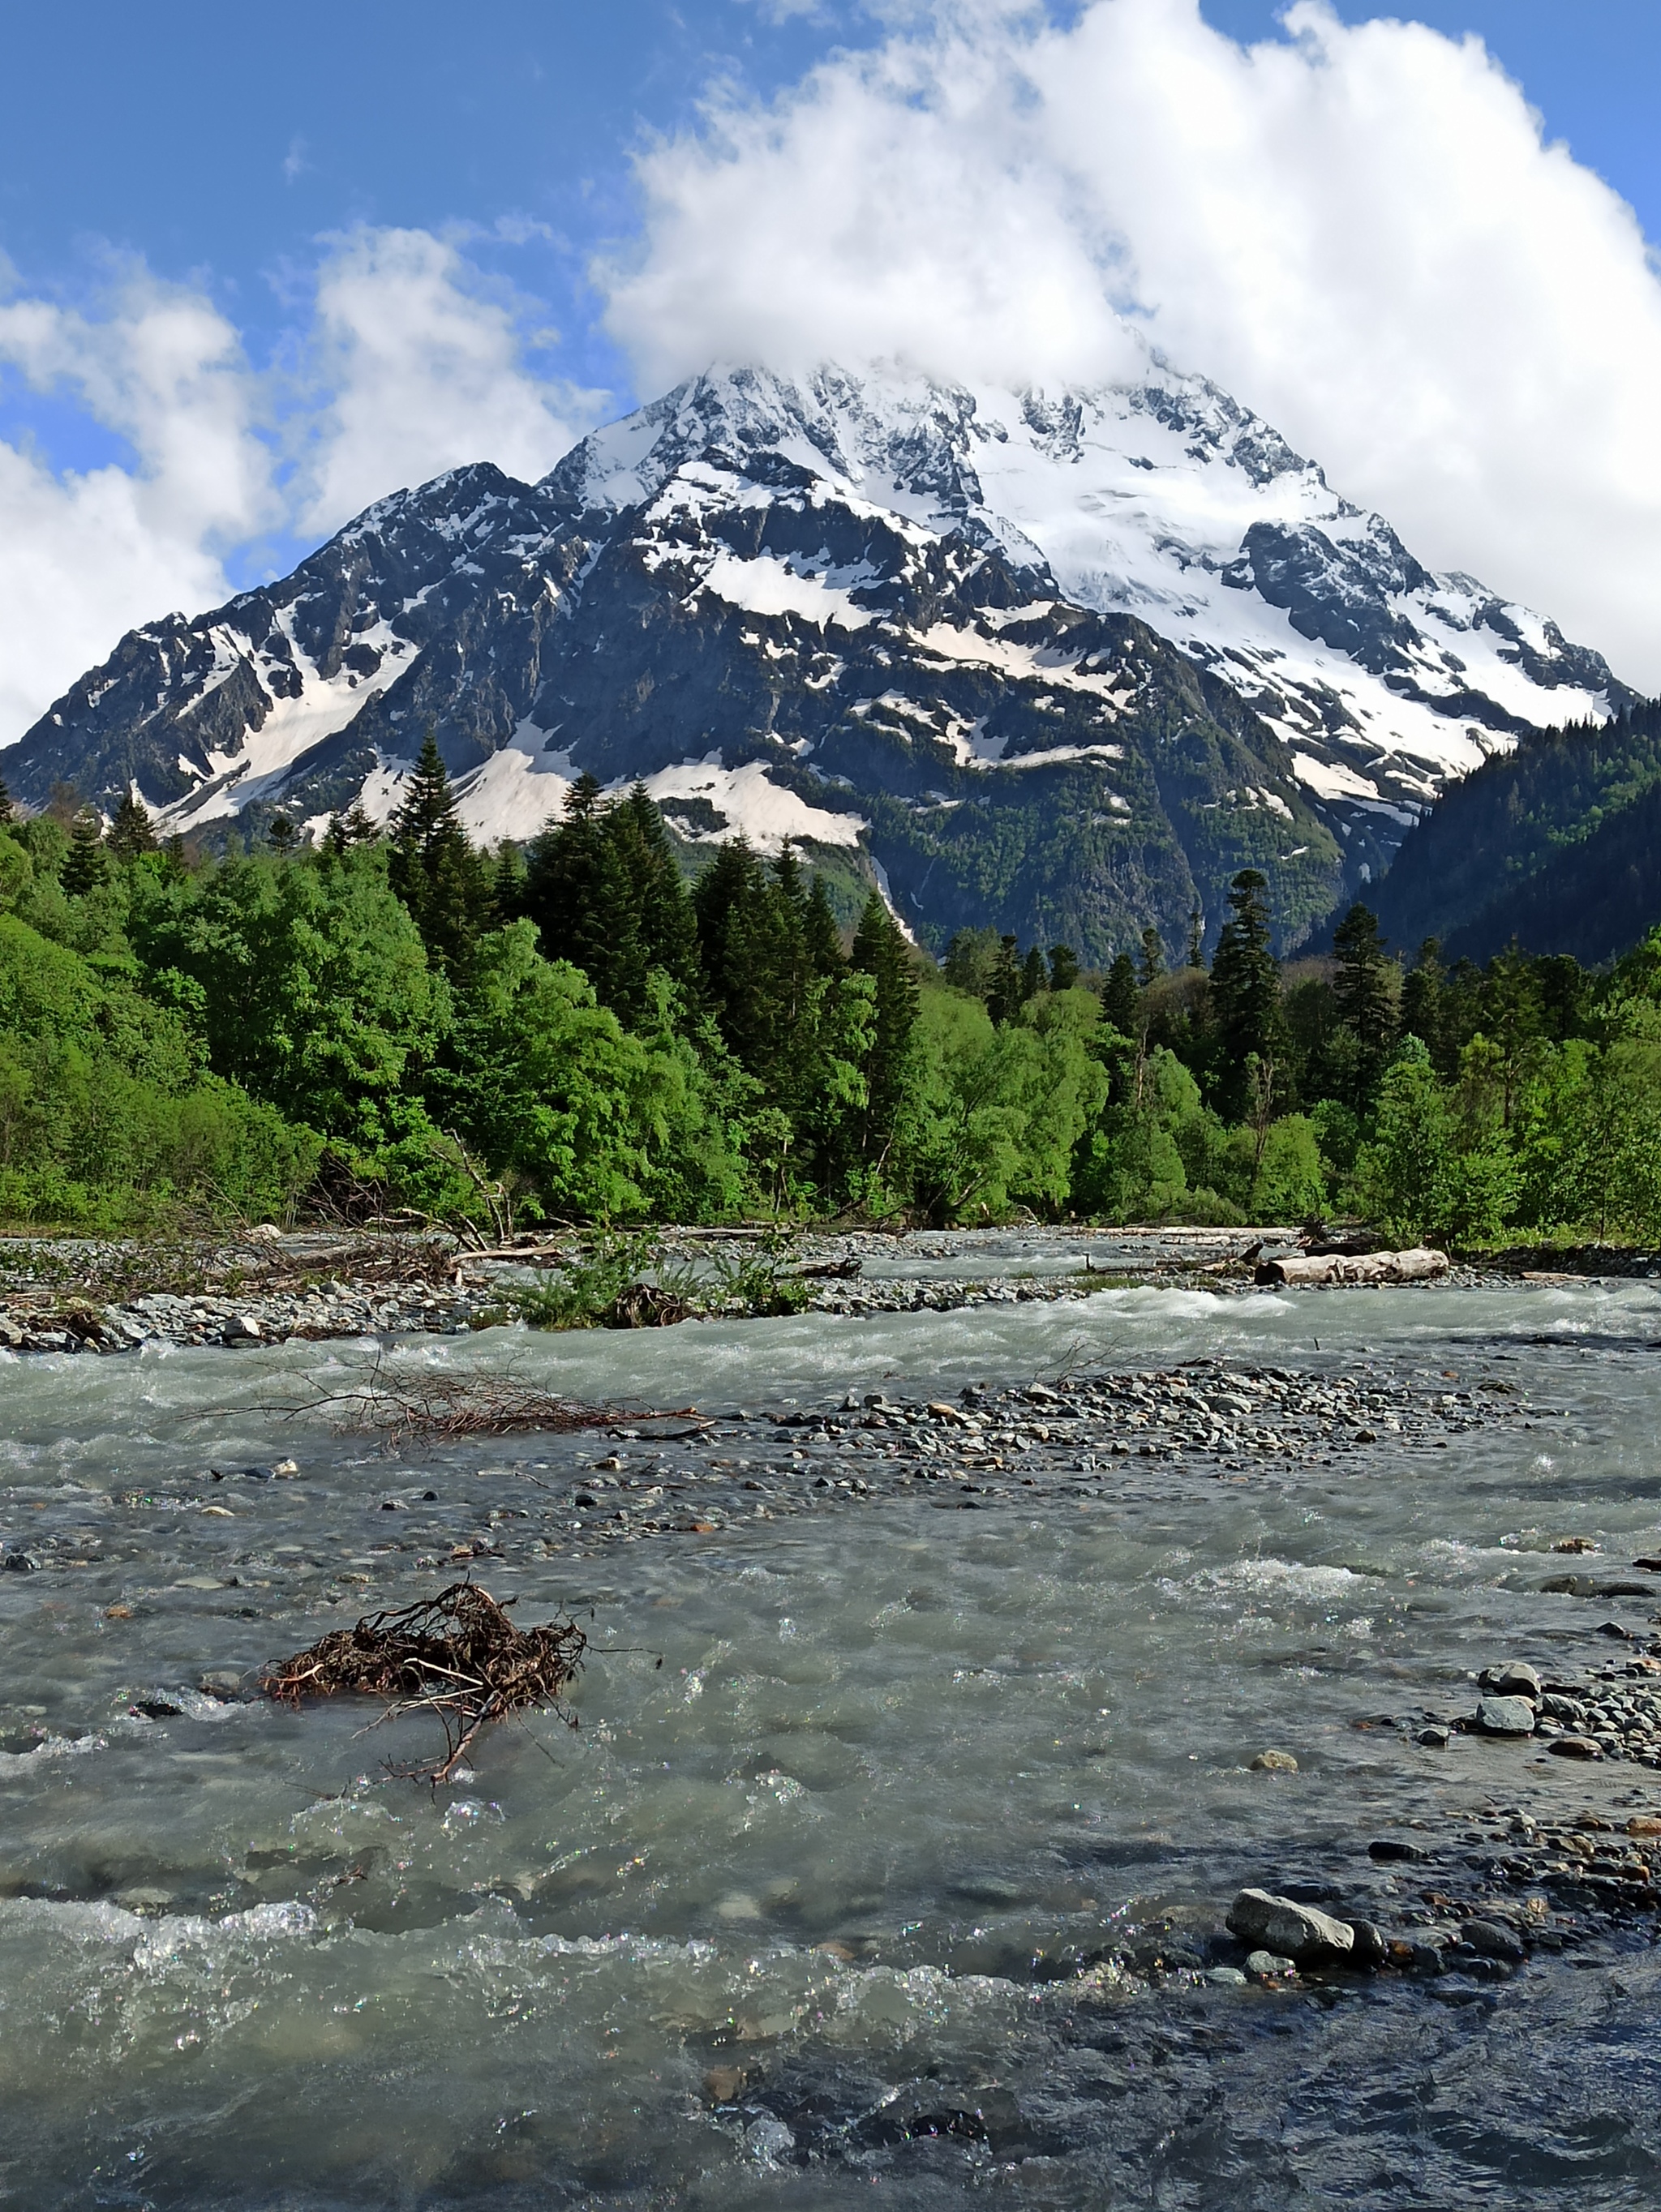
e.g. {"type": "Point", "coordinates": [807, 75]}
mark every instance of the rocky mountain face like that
{"type": "Point", "coordinates": [1062, 665]}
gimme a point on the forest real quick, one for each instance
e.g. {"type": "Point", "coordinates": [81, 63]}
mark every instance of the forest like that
{"type": "Point", "coordinates": [394, 1023]}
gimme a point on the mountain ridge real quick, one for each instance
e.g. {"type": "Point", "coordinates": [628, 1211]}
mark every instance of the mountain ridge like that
{"type": "Point", "coordinates": [959, 634]}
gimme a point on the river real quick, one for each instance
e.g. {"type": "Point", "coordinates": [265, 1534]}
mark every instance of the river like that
{"type": "Point", "coordinates": [893, 1847]}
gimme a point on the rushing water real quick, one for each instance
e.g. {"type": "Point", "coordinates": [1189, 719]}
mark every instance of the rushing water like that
{"type": "Point", "coordinates": [856, 1797]}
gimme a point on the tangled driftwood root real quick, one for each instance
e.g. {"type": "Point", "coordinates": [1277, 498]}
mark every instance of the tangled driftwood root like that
{"type": "Point", "coordinates": [457, 1656]}
{"type": "Point", "coordinates": [399, 1402]}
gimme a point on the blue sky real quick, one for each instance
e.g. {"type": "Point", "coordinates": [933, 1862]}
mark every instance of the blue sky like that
{"type": "Point", "coordinates": [260, 266]}
{"type": "Point", "coordinates": [220, 143]}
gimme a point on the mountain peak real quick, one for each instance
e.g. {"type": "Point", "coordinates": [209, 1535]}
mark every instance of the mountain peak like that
{"type": "Point", "coordinates": [878, 611]}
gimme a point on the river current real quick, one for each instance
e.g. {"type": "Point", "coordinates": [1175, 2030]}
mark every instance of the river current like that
{"type": "Point", "coordinates": [855, 1875]}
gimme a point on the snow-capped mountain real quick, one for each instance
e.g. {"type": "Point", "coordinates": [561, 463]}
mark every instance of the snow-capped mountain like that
{"type": "Point", "coordinates": [1061, 664]}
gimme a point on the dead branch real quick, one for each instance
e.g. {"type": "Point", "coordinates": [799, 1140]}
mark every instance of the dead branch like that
{"type": "Point", "coordinates": [456, 1656]}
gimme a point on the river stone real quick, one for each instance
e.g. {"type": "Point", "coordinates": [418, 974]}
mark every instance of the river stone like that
{"type": "Point", "coordinates": [242, 1328]}
{"type": "Point", "coordinates": [1371, 1948]}
{"type": "Point", "coordinates": [1274, 1762]}
{"type": "Point", "coordinates": [1505, 1717]}
{"type": "Point", "coordinates": [1269, 1966]}
{"type": "Point", "coordinates": [1574, 1747]}
{"type": "Point", "coordinates": [1492, 1939]}
{"type": "Point", "coordinates": [1511, 1679]}
{"type": "Point", "coordinates": [1300, 1932]}
{"type": "Point", "coordinates": [1388, 1848]}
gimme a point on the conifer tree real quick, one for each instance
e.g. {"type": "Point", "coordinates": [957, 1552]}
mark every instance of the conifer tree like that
{"type": "Point", "coordinates": [1035, 974]}
{"type": "Point", "coordinates": [881, 951]}
{"type": "Point", "coordinates": [1063, 967]}
{"type": "Point", "coordinates": [86, 865]}
{"type": "Point", "coordinates": [1422, 1011]}
{"type": "Point", "coordinates": [1153, 961]}
{"type": "Point", "coordinates": [433, 869]}
{"type": "Point", "coordinates": [352, 828]}
{"type": "Point", "coordinates": [823, 938]}
{"type": "Point", "coordinates": [1246, 991]}
{"type": "Point", "coordinates": [1361, 990]}
{"type": "Point", "coordinates": [1003, 993]}
{"type": "Point", "coordinates": [1122, 996]}
{"type": "Point", "coordinates": [130, 833]}
{"type": "Point", "coordinates": [8, 811]}
{"type": "Point", "coordinates": [1195, 937]}
{"type": "Point", "coordinates": [280, 834]}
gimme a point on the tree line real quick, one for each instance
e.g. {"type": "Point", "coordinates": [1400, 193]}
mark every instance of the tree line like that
{"type": "Point", "coordinates": [397, 1021]}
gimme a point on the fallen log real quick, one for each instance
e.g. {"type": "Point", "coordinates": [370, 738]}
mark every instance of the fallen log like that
{"type": "Point", "coordinates": [1418, 1265]}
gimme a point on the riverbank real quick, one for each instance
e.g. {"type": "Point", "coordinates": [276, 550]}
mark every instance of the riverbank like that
{"type": "Point", "coordinates": [84, 1295]}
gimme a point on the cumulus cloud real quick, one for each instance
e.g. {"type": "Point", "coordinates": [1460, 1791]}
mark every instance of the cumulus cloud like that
{"type": "Point", "coordinates": [426, 369]}
{"type": "Point", "coordinates": [85, 554]}
{"type": "Point", "coordinates": [1358, 230]}
{"type": "Point", "coordinates": [414, 364]}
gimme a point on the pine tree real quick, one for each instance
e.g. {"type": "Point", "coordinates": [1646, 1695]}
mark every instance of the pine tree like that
{"type": "Point", "coordinates": [1422, 1011]}
{"type": "Point", "coordinates": [1366, 1002]}
{"type": "Point", "coordinates": [1063, 967]}
{"type": "Point", "coordinates": [1246, 992]}
{"type": "Point", "coordinates": [1153, 961]}
{"type": "Point", "coordinates": [352, 828]}
{"type": "Point", "coordinates": [1122, 996]}
{"type": "Point", "coordinates": [130, 833]}
{"type": "Point", "coordinates": [1035, 974]}
{"type": "Point", "coordinates": [86, 865]}
{"type": "Point", "coordinates": [280, 834]}
{"type": "Point", "coordinates": [1003, 993]}
{"type": "Point", "coordinates": [880, 950]}
{"type": "Point", "coordinates": [433, 869]}
{"type": "Point", "coordinates": [823, 938]}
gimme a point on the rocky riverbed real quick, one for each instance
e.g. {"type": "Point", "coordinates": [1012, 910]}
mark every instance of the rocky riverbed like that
{"type": "Point", "coordinates": [956, 1674]}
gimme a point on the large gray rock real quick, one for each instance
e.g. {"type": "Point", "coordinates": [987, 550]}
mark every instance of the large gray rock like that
{"type": "Point", "coordinates": [1298, 1932]}
{"type": "Point", "coordinates": [1513, 1677]}
{"type": "Point", "coordinates": [1505, 1717]}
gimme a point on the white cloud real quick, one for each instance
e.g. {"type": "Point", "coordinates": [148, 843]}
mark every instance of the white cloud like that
{"type": "Point", "coordinates": [425, 367]}
{"type": "Point", "coordinates": [416, 365]}
{"type": "Point", "coordinates": [84, 555]}
{"type": "Point", "coordinates": [1358, 231]}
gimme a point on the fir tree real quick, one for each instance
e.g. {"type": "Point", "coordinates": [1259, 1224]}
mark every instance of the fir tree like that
{"type": "Point", "coordinates": [85, 865]}
{"type": "Point", "coordinates": [280, 834]}
{"type": "Point", "coordinates": [1363, 998]}
{"type": "Point", "coordinates": [881, 951]}
{"type": "Point", "coordinates": [1063, 967]}
{"type": "Point", "coordinates": [8, 811]}
{"type": "Point", "coordinates": [1003, 993]}
{"type": "Point", "coordinates": [433, 869]}
{"type": "Point", "coordinates": [1153, 961]}
{"type": "Point", "coordinates": [823, 938]}
{"type": "Point", "coordinates": [1035, 974]}
{"type": "Point", "coordinates": [1195, 937]}
{"type": "Point", "coordinates": [1423, 1011]}
{"type": "Point", "coordinates": [130, 833]}
{"type": "Point", "coordinates": [352, 828]}
{"type": "Point", "coordinates": [1246, 993]}
{"type": "Point", "coordinates": [1122, 996]}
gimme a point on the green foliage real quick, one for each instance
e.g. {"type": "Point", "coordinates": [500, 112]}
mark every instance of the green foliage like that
{"type": "Point", "coordinates": [572, 1036]}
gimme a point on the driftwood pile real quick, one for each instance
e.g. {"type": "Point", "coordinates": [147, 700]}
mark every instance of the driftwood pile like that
{"type": "Point", "coordinates": [456, 1656]}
